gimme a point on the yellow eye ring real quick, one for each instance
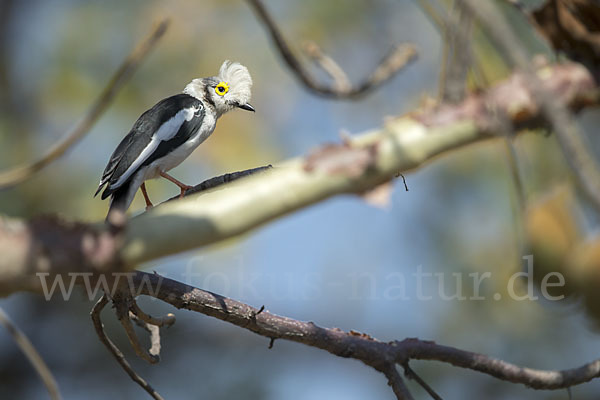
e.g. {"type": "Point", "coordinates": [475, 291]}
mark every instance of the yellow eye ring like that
{"type": "Point", "coordinates": [222, 88]}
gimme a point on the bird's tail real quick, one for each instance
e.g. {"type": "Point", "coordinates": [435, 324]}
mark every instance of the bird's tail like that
{"type": "Point", "coordinates": [120, 200]}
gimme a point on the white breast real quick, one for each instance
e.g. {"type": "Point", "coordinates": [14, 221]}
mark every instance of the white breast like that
{"type": "Point", "coordinates": [167, 131]}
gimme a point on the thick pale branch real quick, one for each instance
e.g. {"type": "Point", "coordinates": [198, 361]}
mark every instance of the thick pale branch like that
{"type": "Point", "coordinates": [53, 246]}
{"type": "Point", "coordinates": [365, 162]}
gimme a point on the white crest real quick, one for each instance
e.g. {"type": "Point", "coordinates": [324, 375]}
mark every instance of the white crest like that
{"type": "Point", "coordinates": [239, 80]}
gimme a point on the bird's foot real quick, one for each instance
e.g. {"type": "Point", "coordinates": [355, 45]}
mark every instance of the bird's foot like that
{"type": "Point", "coordinates": [146, 197]}
{"type": "Point", "coordinates": [182, 186]}
{"type": "Point", "coordinates": [184, 189]}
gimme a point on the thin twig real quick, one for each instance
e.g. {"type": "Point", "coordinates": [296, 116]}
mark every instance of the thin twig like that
{"type": "Point", "coordinates": [154, 332]}
{"type": "Point", "coordinates": [397, 59]}
{"type": "Point", "coordinates": [123, 315]}
{"type": "Point", "coordinates": [457, 55]}
{"type": "Point", "coordinates": [404, 182]}
{"type": "Point", "coordinates": [151, 325]}
{"type": "Point", "coordinates": [396, 382]}
{"type": "Point", "coordinates": [454, 27]}
{"type": "Point", "coordinates": [411, 374]}
{"type": "Point", "coordinates": [512, 159]}
{"type": "Point", "coordinates": [121, 76]}
{"type": "Point", "coordinates": [504, 125]}
{"type": "Point", "coordinates": [436, 17]}
{"type": "Point", "coordinates": [167, 320]}
{"type": "Point", "coordinates": [114, 350]}
{"type": "Point", "coordinates": [32, 355]}
{"type": "Point", "coordinates": [519, 6]}
{"type": "Point", "coordinates": [327, 64]}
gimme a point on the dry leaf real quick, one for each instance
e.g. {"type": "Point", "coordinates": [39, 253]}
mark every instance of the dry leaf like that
{"type": "Point", "coordinates": [381, 196]}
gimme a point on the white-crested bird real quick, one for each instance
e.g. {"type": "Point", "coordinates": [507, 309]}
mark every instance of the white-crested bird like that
{"type": "Point", "coordinates": [166, 134]}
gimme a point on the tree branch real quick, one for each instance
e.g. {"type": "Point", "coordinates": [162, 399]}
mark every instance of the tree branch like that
{"type": "Point", "coordinates": [410, 374]}
{"type": "Point", "coordinates": [397, 59]}
{"type": "Point", "coordinates": [362, 163]}
{"type": "Point", "coordinates": [341, 83]}
{"type": "Point", "coordinates": [32, 356]}
{"type": "Point", "coordinates": [381, 356]}
{"type": "Point", "coordinates": [396, 382]}
{"type": "Point", "coordinates": [119, 79]}
{"type": "Point", "coordinates": [53, 246]}
{"type": "Point", "coordinates": [114, 350]}
{"type": "Point", "coordinates": [221, 180]}
{"type": "Point", "coordinates": [167, 320]}
{"type": "Point", "coordinates": [124, 317]}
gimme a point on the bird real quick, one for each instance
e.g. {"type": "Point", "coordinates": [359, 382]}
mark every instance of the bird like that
{"type": "Point", "coordinates": [166, 134]}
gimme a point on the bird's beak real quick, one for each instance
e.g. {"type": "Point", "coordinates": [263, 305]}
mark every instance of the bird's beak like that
{"type": "Point", "coordinates": [247, 107]}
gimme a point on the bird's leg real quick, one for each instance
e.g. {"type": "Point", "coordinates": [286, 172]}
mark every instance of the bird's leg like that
{"type": "Point", "coordinates": [182, 186]}
{"type": "Point", "coordinates": [146, 198]}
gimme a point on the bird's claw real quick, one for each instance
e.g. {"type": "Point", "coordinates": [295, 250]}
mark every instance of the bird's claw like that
{"type": "Point", "coordinates": [184, 190]}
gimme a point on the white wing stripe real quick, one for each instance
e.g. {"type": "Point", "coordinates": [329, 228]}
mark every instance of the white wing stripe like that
{"type": "Point", "coordinates": [166, 132]}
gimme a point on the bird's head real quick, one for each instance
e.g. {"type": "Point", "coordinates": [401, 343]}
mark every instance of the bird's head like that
{"type": "Point", "coordinates": [229, 90]}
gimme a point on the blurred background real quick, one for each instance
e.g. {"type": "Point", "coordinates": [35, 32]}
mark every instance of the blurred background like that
{"type": "Point", "coordinates": [341, 263]}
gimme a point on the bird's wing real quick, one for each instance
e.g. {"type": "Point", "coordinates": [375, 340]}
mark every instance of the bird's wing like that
{"type": "Point", "coordinates": [185, 132]}
{"type": "Point", "coordinates": [169, 123]}
{"type": "Point", "coordinates": [116, 157]}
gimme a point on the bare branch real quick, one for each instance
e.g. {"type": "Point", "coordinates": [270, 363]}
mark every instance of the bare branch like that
{"type": "Point", "coordinates": [327, 64]}
{"type": "Point", "coordinates": [436, 17]}
{"type": "Point", "coordinates": [396, 60]}
{"type": "Point", "coordinates": [372, 352]}
{"type": "Point", "coordinates": [122, 301]}
{"type": "Point", "coordinates": [410, 374]}
{"type": "Point", "coordinates": [458, 56]}
{"type": "Point", "coordinates": [154, 332]}
{"type": "Point", "coordinates": [221, 180]}
{"type": "Point", "coordinates": [151, 325]}
{"type": "Point", "coordinates": [167, 320]}
{"type": "Point", "coordinates": [114, 350]}
{"type": "Point", "coordinates": [533, 378]}
{"type": "Point", "coordinates": [32, 355]}
{"type": "Point", "coordinates": [396, 382]}
{"type": "Point", "coordinates": [121, 76]}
